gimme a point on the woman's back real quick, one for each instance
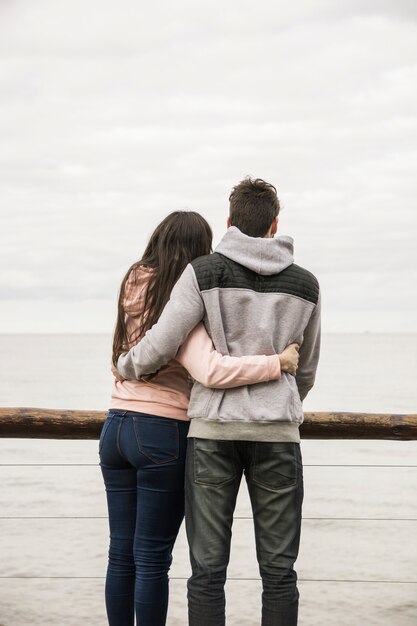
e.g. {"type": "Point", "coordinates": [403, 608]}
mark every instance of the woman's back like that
{"type": "Point", "coordinates": [168, 391]}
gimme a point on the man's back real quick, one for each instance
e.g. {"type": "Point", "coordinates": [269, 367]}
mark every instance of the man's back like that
{"type": "Point", "coordinates": [256, 301]}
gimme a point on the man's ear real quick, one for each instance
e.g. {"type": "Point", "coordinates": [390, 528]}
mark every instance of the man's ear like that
{"type": "Point", "coordinates": [229, 222]}
{"type": "Point", "coordinates": [274, 227]}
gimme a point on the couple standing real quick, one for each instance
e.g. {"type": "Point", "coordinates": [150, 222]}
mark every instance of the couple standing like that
{"type": "Point", "coordinates": [185, 312]}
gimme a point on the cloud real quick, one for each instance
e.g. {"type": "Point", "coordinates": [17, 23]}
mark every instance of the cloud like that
{"type": "Point", "coordinates": [113, 115]}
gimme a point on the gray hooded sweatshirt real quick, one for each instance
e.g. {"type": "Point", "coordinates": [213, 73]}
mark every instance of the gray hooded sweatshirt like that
{"type": "Point", "coordinates": [253, 299]}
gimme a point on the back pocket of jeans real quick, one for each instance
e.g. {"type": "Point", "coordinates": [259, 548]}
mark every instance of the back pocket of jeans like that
{"type": "Point", "coordinates": [214, 462]}
{"type": "Point", "coordinates": [275, 465]}
{"type": "Point", "coordinates": [157, 438]}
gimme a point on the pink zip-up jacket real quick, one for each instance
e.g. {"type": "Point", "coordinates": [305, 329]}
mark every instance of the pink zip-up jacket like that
{"type": "Point", "coordinates": [167, 393]}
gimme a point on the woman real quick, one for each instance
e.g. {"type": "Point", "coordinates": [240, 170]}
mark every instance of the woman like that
{"type": "Point", "coordinates": [143, 441]}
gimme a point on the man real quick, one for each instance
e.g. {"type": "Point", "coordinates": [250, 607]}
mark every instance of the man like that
{"type": "Point", "coordinates": [253, 300]}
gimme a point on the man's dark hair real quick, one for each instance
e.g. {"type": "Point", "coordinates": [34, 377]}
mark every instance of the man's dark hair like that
{"type": "Point", "coordinates": [254, 205]}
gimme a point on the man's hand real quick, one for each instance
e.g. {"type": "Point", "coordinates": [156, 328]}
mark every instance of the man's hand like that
{"type": "Point", "coordinates": [289, 359]}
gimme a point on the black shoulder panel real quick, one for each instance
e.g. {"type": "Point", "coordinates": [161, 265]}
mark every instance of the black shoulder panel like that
{"type": "Point", "coordinates": [216, 271]}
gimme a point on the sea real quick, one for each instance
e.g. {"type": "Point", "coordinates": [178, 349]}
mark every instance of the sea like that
{"type": "Point", "coordinates": [358, 555]}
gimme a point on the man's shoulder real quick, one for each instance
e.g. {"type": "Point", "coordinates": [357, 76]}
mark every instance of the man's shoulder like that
{"type": "Point", "coordinates": [208, 269]}
{"type": "Point", "coordinates": [303, 283]}
{"type": "Point", "coordinates": [208, 261]}
{"type": "Point", "coordinates": [296, 272]}
{"type": "Point", "coordinates": [217, 271]}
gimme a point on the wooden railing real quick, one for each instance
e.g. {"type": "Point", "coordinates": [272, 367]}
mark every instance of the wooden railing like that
{"type": "Point", "coordinates": [32, 423]}
{"type": "Point", "coordinates": [36, 423]}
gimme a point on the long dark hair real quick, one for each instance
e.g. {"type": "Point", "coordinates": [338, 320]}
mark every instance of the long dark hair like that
{"type": "Point", "coordinates": [181, 237]}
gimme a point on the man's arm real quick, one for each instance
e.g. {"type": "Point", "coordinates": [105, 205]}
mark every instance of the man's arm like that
{"type": "Point", "coordinates": [160, 344]}
{"type": "Point", "coordinates": [309, 353]}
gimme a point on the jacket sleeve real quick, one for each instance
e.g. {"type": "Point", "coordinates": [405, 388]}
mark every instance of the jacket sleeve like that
{"type": "Point", "coordinates": [309, 352]}
{"type": "Point", "coordinates": [160, 344]}
{"type": "Point", "coordinates": [212, 369]}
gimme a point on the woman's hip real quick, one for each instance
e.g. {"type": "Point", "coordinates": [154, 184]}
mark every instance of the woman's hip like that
{"type": "Point", "coordinates": [143, 441]}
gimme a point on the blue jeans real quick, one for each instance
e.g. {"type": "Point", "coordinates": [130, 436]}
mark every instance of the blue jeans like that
{"type": "Point", "coordinates": [274, 475]}
{"type": "Point", "coordinates": [142, 460]}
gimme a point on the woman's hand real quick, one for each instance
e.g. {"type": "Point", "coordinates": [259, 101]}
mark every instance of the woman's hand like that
{"type": "Point", "coordinates": [289, 359]}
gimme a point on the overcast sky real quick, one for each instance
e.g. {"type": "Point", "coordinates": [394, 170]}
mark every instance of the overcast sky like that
{"type": "Point", "coordinates": [113, 114]}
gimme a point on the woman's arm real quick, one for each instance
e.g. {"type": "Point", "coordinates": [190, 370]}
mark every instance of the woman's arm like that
{"type": "Point", "coordinates": [213, 369]}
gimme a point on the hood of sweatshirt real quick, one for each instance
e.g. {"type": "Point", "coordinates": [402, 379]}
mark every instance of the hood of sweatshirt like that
{"type": "Point", "coordinates": [261, 255]}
